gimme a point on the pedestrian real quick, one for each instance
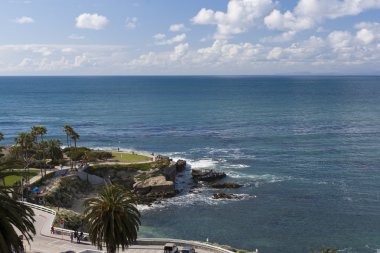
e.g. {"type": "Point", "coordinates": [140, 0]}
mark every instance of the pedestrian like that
{"type": "Point", "coordinates": [71, 237]}
{"type": "Point", "coordinates": [52, 230]}
{"type": "Point", "coordinates": [81, 236]}
{"type": "Point", "coordinates": [78, 237]}
{"type": "Point", "coordinates": [75, 234]}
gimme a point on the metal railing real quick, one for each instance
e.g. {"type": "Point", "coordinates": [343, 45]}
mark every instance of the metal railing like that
{"type": "Point", "coordinates": [38, 207]}
{"type": "Point", "coordinates": [141, 241]}
{"type": "Point", "coordinates": [197, 245]}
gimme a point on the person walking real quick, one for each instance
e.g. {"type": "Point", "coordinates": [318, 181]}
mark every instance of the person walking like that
{"type": "Point", "coordinates": [52, 230]}
{"type": "Point", "coordinates": [71, 237]}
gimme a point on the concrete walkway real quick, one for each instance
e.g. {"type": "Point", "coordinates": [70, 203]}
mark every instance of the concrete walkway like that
{"type": "Point", "coordinates": [45, 242]}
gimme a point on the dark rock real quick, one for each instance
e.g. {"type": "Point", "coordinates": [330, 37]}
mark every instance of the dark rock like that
{"type": "Point", "coordinates": [222, 195]}
{"type": "Point", "coordinates": [180, 165]}
{"type": "Point", "coordinates": [225, 185]}
{"type": "Point", "coordinates": [207, 175]}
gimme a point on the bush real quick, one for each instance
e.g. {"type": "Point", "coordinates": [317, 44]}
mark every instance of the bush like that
{"type": "Point", "coordinates": [73, 220]}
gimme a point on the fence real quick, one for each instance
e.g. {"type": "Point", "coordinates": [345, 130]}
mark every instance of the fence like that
{"type": "Point", "coordinates": [141, 241]}
{"type": "Point", "coordinates": [38, 207]}
{"type": "Point", "coordinates": [197, 245]}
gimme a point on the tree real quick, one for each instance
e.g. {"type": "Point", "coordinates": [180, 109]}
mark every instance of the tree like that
{"type": "Point", "coordinates": [25, 142]}
{"type": "Point", "coordinates": [14, 215]}
{"type": "Point", "coordinates": [71, 135]}
{"type": "Point", "coordinates": [1, 148]}
{"type": "Point", "coordinates": [112, 218]}
{"type": "Point", "coordinates": [39, 130]}
{"type": "Point", "coordinates": [41, 145]}
{"type": "Point", "coordinates": [54, 150]}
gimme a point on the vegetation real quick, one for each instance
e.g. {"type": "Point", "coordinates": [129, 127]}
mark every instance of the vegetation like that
{"type": "Point", "coordinates": [97, 169]}
{"type": "Point", "coordinates": [130, 158]}
{"type": "Point", "coordinates": [73, 220]}
{"type": "Point", "coordinates": [14, 216]}
{"type": "Point", "coordinates": [112, 218]}
{"type": "Point", "coordinates": [63, 194]}
{"type": "Point", "coordinates": [12, 176]}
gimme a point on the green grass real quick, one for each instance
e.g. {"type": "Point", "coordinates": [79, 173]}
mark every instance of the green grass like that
{"type": "Point", "coordinates": [130, 158]}
{"type": "Point", "coordinates": [97, 169]}
{"type": "Point", "coordinates": [11, 180]}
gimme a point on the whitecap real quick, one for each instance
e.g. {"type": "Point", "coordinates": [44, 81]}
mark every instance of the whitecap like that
{"type": "Point", "coordinates": [268, 178]}
{"type": "Point", "coordinates": [203, 163]}
{"type": "Point", "coordinates": [201, 198]}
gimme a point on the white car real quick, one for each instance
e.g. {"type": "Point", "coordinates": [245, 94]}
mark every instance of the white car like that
{"type": "Point", "coordinates": [170, 248]}
{"type": "Point", "coordinates": [188, 249]}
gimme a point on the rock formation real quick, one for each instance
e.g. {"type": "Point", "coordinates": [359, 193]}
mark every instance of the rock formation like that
{"type": "Point", "coordinates": [207, 175]}
{"type": "Point", "coordinates": [222, 195]}
{"type": "Point", "coordinates": [225, 185]}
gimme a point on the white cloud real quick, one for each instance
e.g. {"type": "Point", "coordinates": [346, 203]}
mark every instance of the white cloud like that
{"type": "Point", "coordinates": [368, 32]}
{"type": "Point", "coordinates": [239, 17]}
{"type": "Point", "coordinates": [308, 13]}
{"type": "Point", "coordinates": [179, 51]}
{"type": "Point", "coordinates": [365, 36]}
{"type": "Point", "coordinates": [283, 37]}
{"type": "Point", "coordinates": [274, 54]}
{"type": "Point", "coordinates": [339, 39]}
{"type": "Point", "coordinates": [24, 20]}
{"type": "Point", "coordinates": [131, 23]}
{"type": "Point", "coordinates": [159, 36]}
{"type": "Point", "coordinates": [91, 21]}
{"type": "Point", "coordinates": [177, 28]}
{"type": "Point", "coordinates": [160, 39]}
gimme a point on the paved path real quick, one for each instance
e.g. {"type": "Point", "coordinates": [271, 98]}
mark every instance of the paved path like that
{"type": "Point", "coordinates": [45, 242]}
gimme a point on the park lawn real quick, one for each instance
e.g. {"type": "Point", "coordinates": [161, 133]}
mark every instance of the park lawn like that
{"type": "Point", "coordinates": [11, 180]}
{"type": "Point", "coordinates": [130, 158]}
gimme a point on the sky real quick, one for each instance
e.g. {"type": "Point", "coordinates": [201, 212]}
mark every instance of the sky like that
{"type": "Point", "coordinates": [189, 37]}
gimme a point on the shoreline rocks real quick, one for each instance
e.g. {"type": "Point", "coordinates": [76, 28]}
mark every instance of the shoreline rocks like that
{"type": "Point", "coordinates": [207, 175]}
{"type": "Point", "coordinates": [180, 165]}
{"type": "Point", "coordinates": [222, 195]}
{"type": "Point", "coordinates": [225, 185]}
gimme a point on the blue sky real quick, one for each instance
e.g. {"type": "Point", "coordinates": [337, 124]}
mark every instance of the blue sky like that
{"type": "Point", "coordinates": [170, 37]}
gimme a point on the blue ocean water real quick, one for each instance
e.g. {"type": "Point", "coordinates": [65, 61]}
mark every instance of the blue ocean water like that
{"type": "Point", "coordinates": [307, 150]}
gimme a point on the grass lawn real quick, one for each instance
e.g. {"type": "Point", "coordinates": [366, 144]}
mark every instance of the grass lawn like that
{"type": "Point", "coordinates": [130, 158]}
{"type": "Point", "coordinates": [10, 180]}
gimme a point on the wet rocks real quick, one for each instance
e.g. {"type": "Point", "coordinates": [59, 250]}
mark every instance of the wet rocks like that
{"type": "Point", "coordinates": [180, 165]}
{"type": "Point", "coordinates": [207, 175]}
{"type": "Point", "coordinates": [154, 185]}
{"type": "Point", "coordinates": [225, 185]}
{"type": "Point", "coordinates": [222, 195]}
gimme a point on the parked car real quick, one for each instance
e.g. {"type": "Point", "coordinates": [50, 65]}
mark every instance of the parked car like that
{"type": "Point", "coordinates": [188, 249]}
{"type": "Point", "coordinates": [170, 248]}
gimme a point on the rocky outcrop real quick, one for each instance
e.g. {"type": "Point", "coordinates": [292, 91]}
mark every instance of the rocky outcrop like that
{"type": "Point", "coordinates": [170, 172]}
{"type": "Point", "coordinates": [180, 165]}
{"type": "Point", "coordinates": [207, 175]}
{"type": "Point", "coordinates": [222, 195]}
{"type": "Point", "coordinates": [153, 188]}
{"type": "Point", "coordinates": [225, 185]}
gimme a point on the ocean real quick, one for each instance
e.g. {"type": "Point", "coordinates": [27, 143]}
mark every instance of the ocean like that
{"type": "Point", "coordinates": [306, 149]}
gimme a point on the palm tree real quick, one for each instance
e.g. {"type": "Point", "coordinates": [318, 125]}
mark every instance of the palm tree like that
{"type": "Point", "coordinates": [1, 148]}
{"type": "Point", "coordinates": [112, 218]}
{"type": "Point", "coordinates": [54, 150]}
{"type": "Point", "coordinates": [14, 215]}
{"type": "Point", "coordinates": [39, 130]}
{"type": "Point", "coordinates": [25, 141]}
{"type": "Point", "coordinates": [41, 145]}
